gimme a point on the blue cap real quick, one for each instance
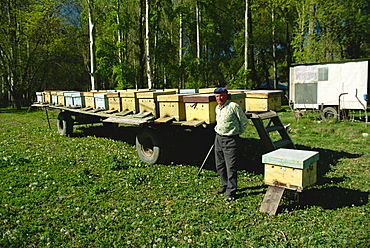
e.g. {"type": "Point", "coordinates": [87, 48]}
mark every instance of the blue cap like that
{"type": "Point", "coordinates": [220, 90]}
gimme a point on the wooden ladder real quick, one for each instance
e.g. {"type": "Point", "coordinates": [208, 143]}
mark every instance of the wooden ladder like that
{"type": "Point", "coordinates": [273, 195]}
{"type": "Point", "coordinates": [264, 131]}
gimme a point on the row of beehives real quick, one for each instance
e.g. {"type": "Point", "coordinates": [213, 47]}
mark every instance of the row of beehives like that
{"type": "Point", "coordinates": [187, 104]}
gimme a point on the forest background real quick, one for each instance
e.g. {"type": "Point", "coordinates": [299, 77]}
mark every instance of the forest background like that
{"type": "Point", "coordinates": [119, 44]}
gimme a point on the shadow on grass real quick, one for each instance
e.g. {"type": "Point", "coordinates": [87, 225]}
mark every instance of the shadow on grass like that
{"type": "Point", "coordinates": [327, 198]}
{"type": "Point", "coordinates": [192, 147]}
{"type": "Point", "coordinates": [333, 197]}
{"type": "Point", "coordinates": [126, 134]}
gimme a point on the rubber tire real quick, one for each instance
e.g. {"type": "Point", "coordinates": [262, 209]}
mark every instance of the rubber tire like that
{"type": "Point", "coordinates": [65, 124]}
{"type": "Point", "coordinates": [149, 146]}
{"type": "Point", "coordinates": [329, 113]}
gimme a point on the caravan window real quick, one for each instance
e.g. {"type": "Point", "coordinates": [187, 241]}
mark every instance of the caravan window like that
{"type": "Point", "coordinates": [323, 74]}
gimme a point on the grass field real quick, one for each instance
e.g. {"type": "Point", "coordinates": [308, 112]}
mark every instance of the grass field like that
{"type": "Point", "coordinates": [91, 189]}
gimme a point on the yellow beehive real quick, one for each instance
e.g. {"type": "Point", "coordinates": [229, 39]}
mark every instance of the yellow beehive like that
{"type": "Point", "coordinates": [202, 106]}
{"type": "Point", "coordinates": [114, 101]}
{"type": "Point", "coordinates": [61, 100]}
{"type": "Point", "coordinates": [263, 100]}
{"type": "Point", "coordinates": [89, 99]}
{"type": "Point", "coordinates": [129, 101]}
{"type": "Point", "coordinates": [148, 101]}
{"type": "Point", "coordinates": [47, 96]}
{"type": "Point", "coordinates": [291, 168]}
{"type": "Point", "coordinates": [172, 106]}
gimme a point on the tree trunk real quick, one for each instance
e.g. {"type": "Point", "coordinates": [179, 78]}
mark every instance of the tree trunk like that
{"type": "Point", "coordinates": [147, 43]}
{"type": "Point", "coordinates": [92, 31]}
{"type": "Point", "coordinates": [274, 47]}
{"type": "Point", "coordinates": [180, 51]}
{"type": "Point", "coordinates": [197, 13]}
{"type": "Point", "coordinates": [141, 47]}
{"type": "Point", "coordinates": [246, 42]}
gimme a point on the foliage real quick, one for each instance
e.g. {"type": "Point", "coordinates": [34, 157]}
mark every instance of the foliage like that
{"type": "Point", "coordinates": [92, 191]}
{"type": "Point", "coordinates": [45, 45]}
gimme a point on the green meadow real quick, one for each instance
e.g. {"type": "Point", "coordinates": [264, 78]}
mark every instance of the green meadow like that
{"type": "Point", "coordinates": [92, 190]}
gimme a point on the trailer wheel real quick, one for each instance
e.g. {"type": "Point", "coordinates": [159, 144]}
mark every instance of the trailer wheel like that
{"type": "Point", "coordinates": [65, 124]}
{"type": "Point", "coordinates": [148, 146]}
{"type": "Point", "coordinates": [329, 113]}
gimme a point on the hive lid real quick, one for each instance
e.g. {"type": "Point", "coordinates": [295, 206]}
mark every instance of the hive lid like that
{"type": "Point", "coordinates": [292, 158]}
{"type": "Point", "coordinates": [70, 93]}
{"type": "Point", "coordinates": [113, 94]}
{"type": "Point", "coordinates": [263, 93]}
{"type": "Point", "coordinates": [100, 94]}
{"type": "Point", "coordinates": [172, 98]}
{"type": "Point", "coordinates": [88, 94]}
{"type": "Point", "coordinates": [200, 98]}
{"type": "Point", "coordinates": [236, 95]}
{"type": "Point", "coordinates": [189, 91]}
{"type": "Point", "coordinates": [153, 94]}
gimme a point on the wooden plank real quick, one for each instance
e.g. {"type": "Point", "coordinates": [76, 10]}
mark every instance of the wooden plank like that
{"type": "Point", "coordinates": [131, 121]}
{"type": "Point", "coordinates": [86, 108]}
{"type": "Point", "coordinates": [272, 200]}
{"type": "Point", "coordinates": [142, 114]}
{"type": "Point", "coordinates": [123, 113]}
{"type": "Point", "coordinates": [164, 119]}
{"type": "Point", "coordinates": [193, 123]}
{"type": "Point", "coordinates": [95, 110]}
{"type": "Point", "coordinates": [111, 111]}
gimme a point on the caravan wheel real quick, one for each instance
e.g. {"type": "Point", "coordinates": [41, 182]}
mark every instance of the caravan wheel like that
{"type": "Point", "coordinates": [329, 113]}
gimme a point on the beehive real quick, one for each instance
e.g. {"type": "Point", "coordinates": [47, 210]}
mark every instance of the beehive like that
{"type": "Point", "coordinates": [47, 96]}
{"type": "Point", "coordinates": [89, 99]}
{"type": "Point", "coordinates": [54, 97]}
{"type": "Point", "coordinates": [114, 101]}
{"type": "Point", "coordinates": [74, 99]}
{"type": "Point", "coordinates": [238, 98]}
{"type": "Point", "coordinates": [202, 106]}
{"type": "Point", "coordinates": [172, 106]}
{"type": "Point", "coordinates": [61, 100]}
{"type": "Point", "coordinates": [263, 100]}
{"type": "Point", "coordinates": [39, 97]}
{"type": "Point", "coordinates": [101, 100]}
{"type": "Point", "coordinates": [291, 168]}
{"type": "Point", "coordinates": [148, 101]}
{"type": "Point", "coordinates": [129, 101]}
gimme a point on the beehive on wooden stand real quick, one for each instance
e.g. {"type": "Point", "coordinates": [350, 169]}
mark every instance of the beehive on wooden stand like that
{"type": "Point", "coordinates": [263, 100]}
{"type": "Point", "coordinates": [47, 96]}
{"type": "Point", "coordinates": [101, 100]}
{"type": "Point", "coordinates": [290, 168]}
{"type": "Point", "coordinates": [114, 101]}
{"type": "Point", "coordinates": [202, 106]}
{"type": "Point", "coordinates": [54, 97]}
{"type": "Point", "coordinates": [89, 99]}
{"type": "Point", "coordinates": [39, 97]}
{"type": "Point", "coordinates": [148, 101]}
{"type": "Point", "coordinates": [172, 106]}
{"type": "Point", "coordinates": [74, 99]}
{"type": "Point", "coordinates": [61, 100]}
{"type": "Point", "coordinates": [129, 101]}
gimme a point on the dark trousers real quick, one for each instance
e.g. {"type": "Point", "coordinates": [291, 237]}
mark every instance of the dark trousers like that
{"type": "Point", "coordinates": [226, 162]}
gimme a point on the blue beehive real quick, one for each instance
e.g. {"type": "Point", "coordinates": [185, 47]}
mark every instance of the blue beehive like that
{"type": "Point", "coordinates": [101, 101]}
